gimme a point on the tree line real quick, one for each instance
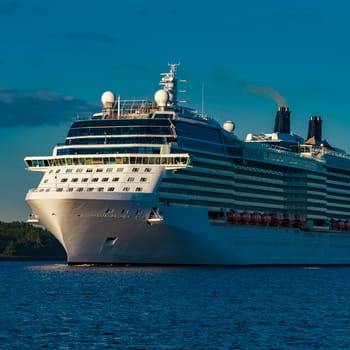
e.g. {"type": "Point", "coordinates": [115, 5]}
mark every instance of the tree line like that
{"type": "Point", "coordinates": [24, 241]}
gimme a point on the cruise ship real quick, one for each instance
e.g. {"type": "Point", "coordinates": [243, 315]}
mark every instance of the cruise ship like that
{"type": "Point", "coordinates": [155, 182]}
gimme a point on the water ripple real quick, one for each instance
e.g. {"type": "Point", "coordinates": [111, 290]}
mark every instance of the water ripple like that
{"type": "Point", "coordinates": [55, 306]}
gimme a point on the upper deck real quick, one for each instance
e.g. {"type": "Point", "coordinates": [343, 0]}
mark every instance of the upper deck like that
{"type": "Point", "coordinates": [153, 127]}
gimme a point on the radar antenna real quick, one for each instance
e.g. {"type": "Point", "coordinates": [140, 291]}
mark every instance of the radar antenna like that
{"type": "Point", "coordinates": [170, 83]}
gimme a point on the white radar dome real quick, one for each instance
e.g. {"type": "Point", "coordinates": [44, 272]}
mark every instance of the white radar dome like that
{"type": "Point", "coordinates": [108, 99]}
{"type": "Point", "coordinates": [161, 98]}
{"type": "Point", "coordinates": [229, 126]}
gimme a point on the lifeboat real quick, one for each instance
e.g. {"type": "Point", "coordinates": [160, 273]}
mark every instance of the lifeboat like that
{"type": "Point", "coordinates": [285, 220]}
{"type": "Point", "coordinates": [244, 218]}
{"type": "Point", "coordinates": [347, 225]}
{"type": "Point", "coordinates": [265, 219]}
{"type": "Point", "coordinates": [258, 218]}
{"type": "Point", "coordinates": [334, 224]}
{"type": "Point", "coordinates": [230, 217]}
{"type": "Point", "coordinates": [291, 220]}
{"type": "Point", "coordinates": [236, 217]}
{"type": "Point", "coordinates": [253, 219]}
{"type": "Point", "coordinates": [340, 225]}
{"type": "Point", "coordinates": [275, 220]}
{"type": "Point", "coordinates": [297, 222]}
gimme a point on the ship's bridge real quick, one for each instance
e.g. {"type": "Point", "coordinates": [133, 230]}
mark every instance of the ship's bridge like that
{"type": "Point", "coordinates": [168, 161]}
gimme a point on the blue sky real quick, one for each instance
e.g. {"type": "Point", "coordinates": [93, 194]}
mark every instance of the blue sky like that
{"type": "Point", "coordinates": [57, 58]}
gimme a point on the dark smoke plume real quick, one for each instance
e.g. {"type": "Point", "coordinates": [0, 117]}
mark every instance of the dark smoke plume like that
{"type": "Point", "coordinates": [265, 90]}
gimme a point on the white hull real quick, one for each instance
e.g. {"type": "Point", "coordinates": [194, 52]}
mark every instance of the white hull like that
{"type": "Point", "coordinates": [90, 235]}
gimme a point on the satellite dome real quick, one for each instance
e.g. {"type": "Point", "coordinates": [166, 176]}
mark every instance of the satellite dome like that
{"type": "Point", "coordinates": [161, 98]}
{"type": "Point", "coordinates": [108, 99]}
{"type": "Point", "coordinates": [229, 126]}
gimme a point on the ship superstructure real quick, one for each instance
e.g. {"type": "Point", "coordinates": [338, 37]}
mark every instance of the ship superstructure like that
{"type": "Point", "coordinates": [154, 182]}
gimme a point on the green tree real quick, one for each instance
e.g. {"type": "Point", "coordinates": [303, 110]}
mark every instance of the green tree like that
{"type": "Point", "coordinates": [19, 239]}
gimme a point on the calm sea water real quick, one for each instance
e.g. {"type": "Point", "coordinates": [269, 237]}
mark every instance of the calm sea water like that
{"type": "Point", "coordinates": [53, 306]}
